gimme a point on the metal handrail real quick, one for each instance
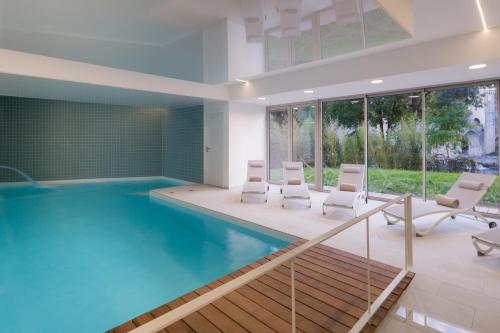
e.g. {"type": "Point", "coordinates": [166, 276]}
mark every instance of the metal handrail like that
{"type": "Point", "coordinates": [190, 307]}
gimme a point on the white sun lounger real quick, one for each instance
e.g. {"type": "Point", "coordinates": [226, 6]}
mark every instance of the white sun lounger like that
{"type": "Point", "coordinates": [468, 199]}
{"type": "Point", "coordinates": [294, 185]}
{"type": "Point", "coordinates": [352, 175]}
{"type": "Point", "coordinates": [256, 180]}
{"type": "Point", "coordinates": [489, 239]}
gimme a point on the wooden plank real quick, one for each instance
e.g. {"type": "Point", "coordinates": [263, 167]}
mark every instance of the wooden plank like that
{"type": "Point", "coordinates": [217, 316]}
{"type": "Point", "coordinates": [330, 290]}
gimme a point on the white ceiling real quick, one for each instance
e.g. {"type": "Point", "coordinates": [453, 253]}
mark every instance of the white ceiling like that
{"type": "Point", "coordinates": [151, 22]}
{"type": "Point", "coordinates": [160, 22]}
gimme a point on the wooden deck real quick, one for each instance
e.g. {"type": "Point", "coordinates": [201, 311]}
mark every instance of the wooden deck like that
{"type": "Point", "coordinates": [330, 297]}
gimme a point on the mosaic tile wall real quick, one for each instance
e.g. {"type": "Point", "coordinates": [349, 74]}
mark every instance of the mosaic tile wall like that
{"type": "Point", "coordinates": [183, 144]}
{"type": "Point", "coordinates": [53, 140]}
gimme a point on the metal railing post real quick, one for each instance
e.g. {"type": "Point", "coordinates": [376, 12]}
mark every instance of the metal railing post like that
{"type": "Point", "coordinates": [368, 273]}
{"type": "Point", "coordinates": [292, 276]}
{"type": "Point", "coordinates": [408, 232]}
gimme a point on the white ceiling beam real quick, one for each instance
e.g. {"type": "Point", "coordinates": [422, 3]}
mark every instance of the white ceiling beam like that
{"type": "Point", "coordinates": [33, 65]}
{"type": "Point", "coordinates": [464, 50]}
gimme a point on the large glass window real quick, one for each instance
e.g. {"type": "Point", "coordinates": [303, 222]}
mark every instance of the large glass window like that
{"type": "Point", "coordinates": [395, 144]}
{"type": "Point", "coordinates": [302, 45]}
{"type": "Point", "coordinates": [343, 136]}
{"type": "Point", "coordinates": [339, 37]}
{"type": "Point", "coordinates": [461, 135]}
{"type": "Point", "coordinates": [277, 50]}
{"type": "Point", "coordinates": [278, 143]}
{"type": "Point", "coordinates": [304, 139]}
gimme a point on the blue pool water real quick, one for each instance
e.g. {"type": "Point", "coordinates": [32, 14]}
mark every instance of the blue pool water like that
{"type": "Point", "coordinates": [87, 257]}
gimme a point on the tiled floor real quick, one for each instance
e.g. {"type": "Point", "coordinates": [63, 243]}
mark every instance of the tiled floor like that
{"type": "Point", "coordinates": [453, 290]}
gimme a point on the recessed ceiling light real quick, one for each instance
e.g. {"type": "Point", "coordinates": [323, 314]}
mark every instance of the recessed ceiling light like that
{"type": "Point", "coordinates": [308, 91]}
{"type": "Point", "coordinates": [241, 80]}
{"type": "Point", "coordinates": [481, 13]}
{"type": "Point", "coordinates": [376, 81]}
{"type": "Point", "coordinates": [478, 66]}
{"type": "Point", "coordinates": [261, 98]}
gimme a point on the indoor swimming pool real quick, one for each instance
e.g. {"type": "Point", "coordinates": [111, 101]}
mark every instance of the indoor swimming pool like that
{"type": "Point", "coordinates": [87, 257]}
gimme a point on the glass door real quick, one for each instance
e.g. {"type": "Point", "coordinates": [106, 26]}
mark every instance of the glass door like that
{"type": "Point", "coordinates": [462, 136]}
{"type": "Point", "coordinates": [304, 139]}
{"type": "Point", "coordinates": [278, 142]}
{"type": "Point", "coordinates": [395, 144]}
{"type": "Point", "coordinates": [343, 137]}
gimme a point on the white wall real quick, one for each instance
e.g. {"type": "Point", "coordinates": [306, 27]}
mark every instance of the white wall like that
{"type": "Point", "coordinates": [247, 139]}
{"type": "Point", "coordinates": [237, 134]}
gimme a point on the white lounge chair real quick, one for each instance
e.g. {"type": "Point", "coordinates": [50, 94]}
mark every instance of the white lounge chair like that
{"type": "Point", "coordinates": [256, 180]}
{"type": "Point", "coordinates": [490, 239]}
{"type": "Point", "coordinates": [468, 190]}
{"type": "Point", "coordinates": [349, 192]}
{"type": "Point", "coordinates": [294, 185]}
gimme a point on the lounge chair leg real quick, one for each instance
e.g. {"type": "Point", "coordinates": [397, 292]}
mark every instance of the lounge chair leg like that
{"type": "Point", "coordinates": [389, 220]}
{"type": "Point", "coordinates": [310, 203]}
{"type": "Point", "coordinates": [324, 211]}
{"type": "Point", "coordinates": [480, 251]}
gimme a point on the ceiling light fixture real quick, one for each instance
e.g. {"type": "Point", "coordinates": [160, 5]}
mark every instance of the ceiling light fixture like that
{"type": "Point", "coordinates": [354, 102]}
{"type": "Point", "coordinates": [414, 96]}
{"type": "Point", "coordinates": [241, 80]}
{"type": "Point", "coordinates": [261, 98]}
{"type": "Point", "coordinates": [308, 91]}
{"type": "Point", "coordinates": [478, 66]}
{"type": "Point", "coordinates": [480, 9]}
{"type": "Point", "coordinates": [376, 81]}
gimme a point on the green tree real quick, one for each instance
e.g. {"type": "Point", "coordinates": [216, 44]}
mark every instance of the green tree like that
{"type": "Point", "coordinates": [345, 113]}
{"type": "Point", "coordinates": [447, 124]}
{"type": "Point", "coordinates": [389, 110]}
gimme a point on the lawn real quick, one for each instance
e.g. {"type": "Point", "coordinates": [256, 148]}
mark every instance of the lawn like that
{"type": "Point", "coordinates": [401, 181]}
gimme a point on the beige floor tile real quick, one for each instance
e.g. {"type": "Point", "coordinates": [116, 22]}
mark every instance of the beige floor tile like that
{"type": "Point", "coordinates": [445, 261]}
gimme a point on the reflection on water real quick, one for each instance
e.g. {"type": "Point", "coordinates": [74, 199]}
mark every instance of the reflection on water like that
{"type": "Point", "coordinates": [414, 317]}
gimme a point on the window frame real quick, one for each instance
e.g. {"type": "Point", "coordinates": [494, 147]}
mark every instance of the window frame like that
{"type": "Point", "coordinates": [319, 128]}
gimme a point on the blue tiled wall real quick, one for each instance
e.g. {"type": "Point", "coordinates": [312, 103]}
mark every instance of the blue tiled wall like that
{"type": "Point", "coordinates": [183, 144]}
{"type": "Point", "coordinates": [52, 140]}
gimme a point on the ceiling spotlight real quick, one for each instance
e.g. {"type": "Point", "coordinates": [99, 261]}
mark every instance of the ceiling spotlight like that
{"type": "Point", "coordinates": [376, 81]}
{"type": "Point", "coordinates": [478, 66]}
{"type": "Point", "coordinates": [308, 91]}
{"type": "Point", "coordinates": [261, 98]}
{"type": "Point", "coordinates": [241, 80]}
